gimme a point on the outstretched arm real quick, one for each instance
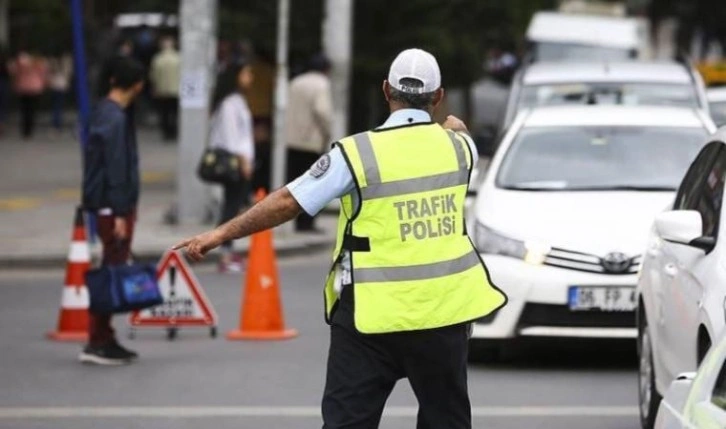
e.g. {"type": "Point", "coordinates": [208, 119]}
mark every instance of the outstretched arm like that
{"type": "Point", "coordinates": [278, 208]}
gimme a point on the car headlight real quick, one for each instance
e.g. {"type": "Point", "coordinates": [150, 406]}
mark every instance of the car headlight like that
{"type": "Point", "coordinates": [494, 243]}
{"type": "Point", "coordinates": [489, 241]}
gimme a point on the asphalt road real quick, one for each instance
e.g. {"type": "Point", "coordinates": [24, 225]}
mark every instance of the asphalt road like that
{"type": "Point", "coordinates": [198, 382]}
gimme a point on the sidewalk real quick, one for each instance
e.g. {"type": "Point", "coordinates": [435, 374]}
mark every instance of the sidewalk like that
{"type": "Point", "coordinates": [41, 189]}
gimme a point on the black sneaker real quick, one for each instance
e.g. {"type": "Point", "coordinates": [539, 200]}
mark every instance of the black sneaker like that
{"type": "Point", "coordinates": [103, 355]}
{"type": "Point", "coordinates": [123, 351]}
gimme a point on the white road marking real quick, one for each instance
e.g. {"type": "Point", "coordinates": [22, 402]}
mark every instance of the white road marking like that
{"type": "Point", "coordinates": [284, 411]}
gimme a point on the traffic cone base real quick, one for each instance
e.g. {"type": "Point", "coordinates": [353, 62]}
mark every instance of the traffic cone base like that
{"type": "Point", "coordinates": [238, 335]}
{"type": "Point", "coordinates": [68, 336]}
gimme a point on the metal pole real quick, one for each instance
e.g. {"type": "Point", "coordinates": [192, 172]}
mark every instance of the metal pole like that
{"type": "Point", "coordinates": [337, 36]}
{"type": "Point", "coordinates": [4, 28]}
{"type": "Point", "coordinates": [279, 148]}
{"type": "Point", "coordinates": [80, 72]}
{"type": "Point", "coordinates": [198, 45]}
{"type": "Point", "coordinates": [82, 91]}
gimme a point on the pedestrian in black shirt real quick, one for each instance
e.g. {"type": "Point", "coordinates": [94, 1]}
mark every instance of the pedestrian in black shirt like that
{"type": "Point", "coordinates": [111, 190]}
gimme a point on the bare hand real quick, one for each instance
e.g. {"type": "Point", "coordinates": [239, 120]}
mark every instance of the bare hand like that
{"type": "Point", "coordinates": [455, 124]}
{"type": "Point", "coordinates": [198, 246]}
{"type": "Point", "coordinates": [120, 230]}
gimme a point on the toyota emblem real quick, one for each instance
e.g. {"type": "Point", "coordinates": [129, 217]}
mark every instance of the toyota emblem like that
{"type": "Point", "coordinates": [616, 262]}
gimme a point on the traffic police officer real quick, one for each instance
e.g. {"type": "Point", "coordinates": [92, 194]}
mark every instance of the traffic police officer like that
{"type": "Point", "coordinates": [406, 280]}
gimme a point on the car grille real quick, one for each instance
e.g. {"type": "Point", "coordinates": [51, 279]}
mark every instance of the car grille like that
{"type": "Point", "coordinates": [579, 261]}
{"type": "Point", "coordinates": [561, 315]}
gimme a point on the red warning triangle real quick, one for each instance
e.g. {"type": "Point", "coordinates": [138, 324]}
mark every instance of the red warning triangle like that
{"type": "Point", "coordinates": [185, 303]}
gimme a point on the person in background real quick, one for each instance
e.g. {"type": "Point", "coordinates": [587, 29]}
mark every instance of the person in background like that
{"type": "Point", "coordinates": [164, 78]}
{"type": "Point", "coordinates": [232, 130]}
{"type": "Point", "coordinates": [111, 187]}
{"type": "Point", "coordinates": [4, 86]}
{"type": "Point", "coordinates": [260, 100]}
{"type": "Point", "coordinates": [60, 71]}
{"type": "Point", "coordinates": [307, 124]}
{"type": "Point", "coordinates": [123, 51]}
{"type": "Point", "coordinates": [29, 79]}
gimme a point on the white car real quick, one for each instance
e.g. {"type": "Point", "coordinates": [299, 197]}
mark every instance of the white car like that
{"type": "Point", "coordinates": [682, 285]}
{"type": "Point", "coordinates": [562, 215]}
{"type": "Point", "coordinates": [697, 400]}
{"type": "Point", "coordinates": [667, 83]}
{"type": "Point", "coordinates": [717, 104]}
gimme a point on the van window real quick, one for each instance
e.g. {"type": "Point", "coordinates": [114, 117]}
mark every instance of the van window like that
{"type": "Point", "coordinates": [553, 51]}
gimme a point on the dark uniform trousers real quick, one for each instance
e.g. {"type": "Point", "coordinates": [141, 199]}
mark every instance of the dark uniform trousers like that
{"type": "Point", "coordinates": [363, 369]}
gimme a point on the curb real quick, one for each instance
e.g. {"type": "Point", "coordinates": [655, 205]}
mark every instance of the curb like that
{"type": "Point", "coordinates": [283, 249]}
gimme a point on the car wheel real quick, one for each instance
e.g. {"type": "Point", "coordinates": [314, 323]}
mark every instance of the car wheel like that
{"type": "Point", "coordinates": [648, 396]}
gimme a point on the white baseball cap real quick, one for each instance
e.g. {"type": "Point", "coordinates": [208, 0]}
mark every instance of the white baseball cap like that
{"type": "Point", "coordinates": [415, 64]}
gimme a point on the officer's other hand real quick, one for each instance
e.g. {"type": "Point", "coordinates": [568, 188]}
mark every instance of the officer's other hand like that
{"type": "Point", "coordinates": [198, 246]}
{"type": "Point", "coordinates": [455, 124]}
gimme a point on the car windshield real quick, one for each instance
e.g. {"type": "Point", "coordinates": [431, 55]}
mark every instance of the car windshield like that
{"type": "Point", "coordinates": [551, 51]}
{"type": "Point", "coordinates": [718, 112]}
{"type": "Point", "coordinates": [599, 158]}
{"type": "Point", "coordinates": [609, 93]}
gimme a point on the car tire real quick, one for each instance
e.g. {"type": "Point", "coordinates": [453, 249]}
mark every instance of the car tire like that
{"type": "Point", "coordinates": [485, 351]}
{"type": "Point", "coordinates": [648, 396]}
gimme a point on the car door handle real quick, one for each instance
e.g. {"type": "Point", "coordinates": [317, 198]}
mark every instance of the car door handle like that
{"type": "Point", "coordinates": [670, 270]}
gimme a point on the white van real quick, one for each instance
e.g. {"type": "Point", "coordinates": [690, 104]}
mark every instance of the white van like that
{"type": "Point", "coordinates": [554, 36]}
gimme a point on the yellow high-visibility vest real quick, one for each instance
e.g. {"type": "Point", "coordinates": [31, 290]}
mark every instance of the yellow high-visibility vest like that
{"type": "Point", "coordinates": [413, 266]}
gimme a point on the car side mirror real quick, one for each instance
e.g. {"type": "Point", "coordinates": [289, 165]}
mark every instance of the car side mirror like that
{"type": "Point", "coordinates": [485, 141]}
{"type": "Point", "coordinates": [684, 227]}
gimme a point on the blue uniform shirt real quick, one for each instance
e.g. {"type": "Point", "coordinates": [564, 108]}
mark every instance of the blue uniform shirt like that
{"type": "Point", "coordinates": [330, 179]}
{"type": "Point", "coordinates": [316, 189]}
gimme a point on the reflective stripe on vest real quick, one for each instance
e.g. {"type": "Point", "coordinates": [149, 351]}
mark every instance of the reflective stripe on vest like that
{"type": "Point", "coordinates": [417, 272]}
{"type": "Point", "coordinates": [376, 189]}
{"type": "Point", "coordinates": [413, 267]}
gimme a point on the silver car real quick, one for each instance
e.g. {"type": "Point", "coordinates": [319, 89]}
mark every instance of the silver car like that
{"type": "Point", "coordinates": [630, 83]}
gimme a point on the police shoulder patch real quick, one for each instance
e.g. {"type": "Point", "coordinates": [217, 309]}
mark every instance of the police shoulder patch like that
{"type": "Point", "coordinates": [321, 166]}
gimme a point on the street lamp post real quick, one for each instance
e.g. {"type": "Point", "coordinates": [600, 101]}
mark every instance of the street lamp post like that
{"type": "Point", "coordinates": [281, 84]}
{"type": "Point", "coordinates": [198, 47]}
{"type": "Point", "coordinates": [337, 35]}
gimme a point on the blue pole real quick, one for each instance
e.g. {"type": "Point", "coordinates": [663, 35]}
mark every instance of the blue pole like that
{"type": "Point", "coordinates": [79, 59]}
{"type": "Point", "coordinates": [82, 94]}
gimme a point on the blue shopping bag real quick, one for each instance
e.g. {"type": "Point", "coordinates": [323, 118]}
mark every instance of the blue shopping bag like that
{"type": "Point", "coordinates": [123, 288]}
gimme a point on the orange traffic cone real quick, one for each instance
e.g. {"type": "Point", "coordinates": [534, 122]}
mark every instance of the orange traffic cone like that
{"type": "Point", "coordinates": [73, 319]}
{"type": "Point", "coordinates": [261, 317]}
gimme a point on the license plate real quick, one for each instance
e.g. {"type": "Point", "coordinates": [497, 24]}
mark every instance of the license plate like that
{"type": "Point", "coordinates": [610, 298]}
